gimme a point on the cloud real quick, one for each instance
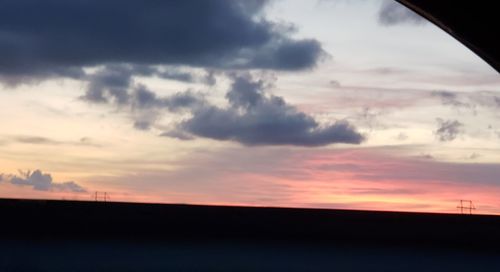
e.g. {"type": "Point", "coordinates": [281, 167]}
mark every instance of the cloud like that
{"type": "Point", "coordinates": [177, 134]}
{"type": "Point", "coordinates": [41, 39]}
{"type": "Point", "coordinates": [111, 83]}
{"type": "Point", "coordinates": [448, 130]}
{"type": "Point", "coordinates": [393, 13]}
{"type": "Point", "coordinates": [35, 140]}
{"type": "Point", "coordinates": [370, 118]}
{"type": "Point", "coordinates": [470, 101]}
{"type": "Point", "coordinates": [44, 182]}
{"type": "Point", "coordinates": [452, 99]}
{"type": "Point", "coordinates": [39, 140]}
{"type": "Point", "coordinates": [114, 84]}
{"type": "Point", "coordinates": [256, 118]}
{"type": "Point", "coordinates": [252, 117]}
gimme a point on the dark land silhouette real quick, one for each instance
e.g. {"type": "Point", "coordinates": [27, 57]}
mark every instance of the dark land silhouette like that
{"type": "Point", "coordinates": [39, 235]}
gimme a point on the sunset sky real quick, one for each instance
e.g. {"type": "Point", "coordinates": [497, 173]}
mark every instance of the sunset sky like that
{"type": "Point", "coordinates": [327, 104]}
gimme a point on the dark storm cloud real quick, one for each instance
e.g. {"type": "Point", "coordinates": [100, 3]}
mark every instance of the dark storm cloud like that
{"type": "Point", "coordinates": [448, 130]}
{"type": "Point", "coordinates": [394, 13]}
{"type": "Point", "coordinates": [256, 118]}
{"type": "Point", "coordinates": [43, 182]}
{"type": "Point", "coordinates": [59, 37]}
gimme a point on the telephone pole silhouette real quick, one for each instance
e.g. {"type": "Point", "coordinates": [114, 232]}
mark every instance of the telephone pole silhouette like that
{"type": "Point", "coordinates": [101, 196]}
{"type": "Point", "coordinates": [466, 205]}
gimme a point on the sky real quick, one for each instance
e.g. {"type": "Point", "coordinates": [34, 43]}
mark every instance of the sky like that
{"type": "Point", "coordinates": [285, 103]}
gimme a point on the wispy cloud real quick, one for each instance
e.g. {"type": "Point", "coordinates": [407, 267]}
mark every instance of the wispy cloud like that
{"type": "Point", "coordinates": [39, 140]}
{"type": "Point", "coordinates": [448, 130]}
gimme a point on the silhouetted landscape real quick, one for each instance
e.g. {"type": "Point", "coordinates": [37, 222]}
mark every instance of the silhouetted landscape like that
{"type": "Point", "coordinates": [97, 236]}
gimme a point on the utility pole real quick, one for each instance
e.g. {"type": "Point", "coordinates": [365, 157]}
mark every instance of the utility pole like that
{"type": "Point", "coordinates": [469, 206]}
{"type": "Point", "coordinates": [101, 196]}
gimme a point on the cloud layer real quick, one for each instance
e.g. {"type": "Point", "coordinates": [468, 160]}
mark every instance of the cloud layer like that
{"type": "Point", "coordinates": [43, 182]}
{"type": "Point", "coordinates": [59, 37]}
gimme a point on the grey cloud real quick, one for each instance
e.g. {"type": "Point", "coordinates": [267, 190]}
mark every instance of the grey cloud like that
{"type": "Point", "coordinates": [370, 118]}
{"type": "Point", "coordinates": [143, 98]}
{"type": "Point", "coordinates": [487, 99]}
{"type": "Point", "coordinates": [177, 75]}
{"type": "Point", "coordinates": [469, 101]}
{"type": "Point", "coordinates": [35, 140]}
{"type": "Point", "coordinates": [252, 117]}
{"type": "Point", "coordinates": [143, 124]}
{"type": "Point", "coordinates": [172, 73]}
{"type": "Point", "coordinates": [109, 83]}
{"type": "Point", "coordinates": [39, 140]}
{"type": "Point", "coordinates": [453, 100]}
{"type": "Point", "coordinates": [448, 130]}
{"type": "Point", "coordinates": [393, 13]}
{"type": "Point", "coordinates": [41, 39]}
{"type": "Point", "coordinates": [146, 106]}
{"type": "Point", "coordinates": [112, 82]}
{"type": "Point", "coordinates": [184, 100]}
{"type": "Point", "coordinates": [255, 118]}
{"type": "Point", "coordinates": [177, 134]}
{"type": "Point", "coordinates": [210, 79]}
{"type": "Point", "coordinates": [43, 182]}
{"type": "Point", "coordinates": [288, 54]}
